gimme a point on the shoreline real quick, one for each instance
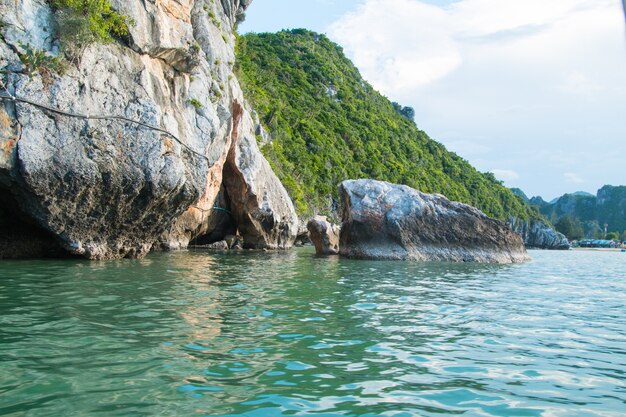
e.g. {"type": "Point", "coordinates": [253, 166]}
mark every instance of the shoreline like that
{"type": "Point", "coordinates": [598, 249]}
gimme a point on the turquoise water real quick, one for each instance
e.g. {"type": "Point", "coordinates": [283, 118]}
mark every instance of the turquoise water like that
{"type": "Point", "coordinates": [264, 335]}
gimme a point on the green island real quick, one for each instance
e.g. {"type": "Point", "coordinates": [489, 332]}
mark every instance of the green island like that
{"type": "Point", "coordinates": [328, 124]}
{"type": "Point", "coordinates": [581, 214]}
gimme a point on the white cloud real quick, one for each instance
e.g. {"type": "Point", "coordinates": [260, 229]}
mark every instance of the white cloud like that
{"type": "Point", "coordinates": [394, 50]}
{"type": "Point", "coordinates": [526, 81]}
{"type": "Point", "coordinates": [573, 178]}
{"type": "Point", "coordinates": [505, 174]}
{"type": "Point", "coordinates": [400, 44]}
{"type": "Point", "coordinates": [488, 17]}
{"type": "Point", "coordinates": [578, 83]}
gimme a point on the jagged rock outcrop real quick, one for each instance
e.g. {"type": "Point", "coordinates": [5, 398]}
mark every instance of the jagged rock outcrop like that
{"type": "Point", "coordinates": [324, 235]}
{"type": "Point", "coordinates": [110, 188]}
{"type": "Point", "coordinates": [221, 245]}
{"type": "Point", "coordinates": [387, 221]}
{"type": "Point", "coordinates": [538, 235]}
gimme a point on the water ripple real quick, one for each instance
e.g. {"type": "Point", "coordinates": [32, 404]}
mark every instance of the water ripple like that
{"type": "Point", "coordinates": [277, 334]}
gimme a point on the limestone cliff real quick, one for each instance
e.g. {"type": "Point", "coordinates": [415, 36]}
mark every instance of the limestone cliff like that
{"type": "Point", "coordinates": [538, 235]}
{"type": "Point", "coordinates": [113, 188]}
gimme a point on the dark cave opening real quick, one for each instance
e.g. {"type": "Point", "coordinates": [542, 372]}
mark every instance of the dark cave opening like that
{"type": "Point", "coordinates": [221, 222]}
{"type": "Point", "coordinates": [21, 237]}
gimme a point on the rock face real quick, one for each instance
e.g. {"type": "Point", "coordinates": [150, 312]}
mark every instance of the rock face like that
{"type": "Point", "coordinates": [324, 235]}
{"type": "Point", "coordinates": [302, 237]}
{"type": "Point", "coordinates": [518, 192]}
{"type": "Point", "coordinates": [538, 235]}
{"type": "Point", "coordinates": [386, 221]}
{"type": "Point", "coordinates": [261, 207]}
{"type": "Point", "coordinates": [110, 188]}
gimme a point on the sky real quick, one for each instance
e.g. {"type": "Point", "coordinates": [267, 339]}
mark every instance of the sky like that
{"type": "Point", "coordinates": [533, 91]}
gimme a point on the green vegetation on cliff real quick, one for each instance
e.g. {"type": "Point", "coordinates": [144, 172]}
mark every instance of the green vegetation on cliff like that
{"type": "Point", "coordinates": [83, 22]}
{"type": "Point", "coordinates": [582, 214]}
{"type": "Point", "coordinates": [328, 125]}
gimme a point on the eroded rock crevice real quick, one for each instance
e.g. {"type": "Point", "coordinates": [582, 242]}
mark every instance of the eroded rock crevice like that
{"type": "Point", "coordinates": [238, 209]}
{"type": "Point", "coordinates": [264, 214]}
{"type": "Point", "coordinates": [220, 222]}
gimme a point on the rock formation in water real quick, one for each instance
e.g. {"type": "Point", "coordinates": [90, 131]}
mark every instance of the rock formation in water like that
{"type": "Point", "coordinates": [387, 221]}
{"type": "Point", "coordinates": [535, 232]}
{"type": "Point", "coordinates": [324, 235]}
{"type": "Point", "coordinates": [109, 188]}
{"type": "Point", "coordinates": [538, 235]}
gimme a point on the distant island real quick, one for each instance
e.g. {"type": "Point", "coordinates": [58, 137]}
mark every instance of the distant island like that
{"type": "Point", "coordinates": [582, 215]}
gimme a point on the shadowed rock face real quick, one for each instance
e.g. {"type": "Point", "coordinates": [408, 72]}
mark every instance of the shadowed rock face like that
{"type": "Point", "coordinates": [538, 235]}
{"type": "Point", "coordinates": [386, 221]}
{"type": "Point", "coordinates": [111, 189]}
{"type": "Point", "coordinates": [324, 235]}
{"type": "Point", "coordinates": [261, 207]}
{"type": "Point", "coordinates": [18, 238]}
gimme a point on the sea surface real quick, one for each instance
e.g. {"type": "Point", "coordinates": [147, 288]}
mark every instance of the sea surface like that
{"type": "Point", "coordinates": [288, 334]}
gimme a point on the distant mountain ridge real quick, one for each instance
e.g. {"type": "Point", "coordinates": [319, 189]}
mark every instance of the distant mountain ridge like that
{"type": "Point", "coordinates": [584, 213]}
{"type": "Point", "coordinates": [575, 193]}
{"type": "Point", "coordinates": [518, 192]}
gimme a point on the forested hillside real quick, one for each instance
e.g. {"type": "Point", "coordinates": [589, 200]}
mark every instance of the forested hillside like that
{"type": "Point", "coordinates": [580, 214]}
{"type": "Point", "coordinates": [328, 124]}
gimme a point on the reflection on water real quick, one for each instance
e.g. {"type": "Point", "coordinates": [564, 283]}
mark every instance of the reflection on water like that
{"type": "Point", "coordinates": [273, 334]}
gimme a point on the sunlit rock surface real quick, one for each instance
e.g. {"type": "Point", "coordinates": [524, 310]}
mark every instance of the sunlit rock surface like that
{"type": "Point", "coordinates": [387, 221]}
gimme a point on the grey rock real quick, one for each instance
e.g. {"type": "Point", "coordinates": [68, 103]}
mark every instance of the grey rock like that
{"type": "Point", "coordinates": [235, 241]}
{"type": "Point", "coordinates": [324, 235]}
{"type": "Point", "coordinates": [112, 189]}
{"type": "Point", "coordinates": [164, 30]}
{"type": "Point", "coordinates": [221, 245]}
{"type": "Point", "coordinates": [231, 240]}
{"type": "Point", "coordinates": [538, 235]}
{"type": "Point", "coordinates": [387, 221]}
{"type": "Point", "coordinates": [30, 22]}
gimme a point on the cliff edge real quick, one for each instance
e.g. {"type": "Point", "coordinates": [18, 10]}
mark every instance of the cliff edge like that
{"type": "Point", "coordinates": [142, 142]}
